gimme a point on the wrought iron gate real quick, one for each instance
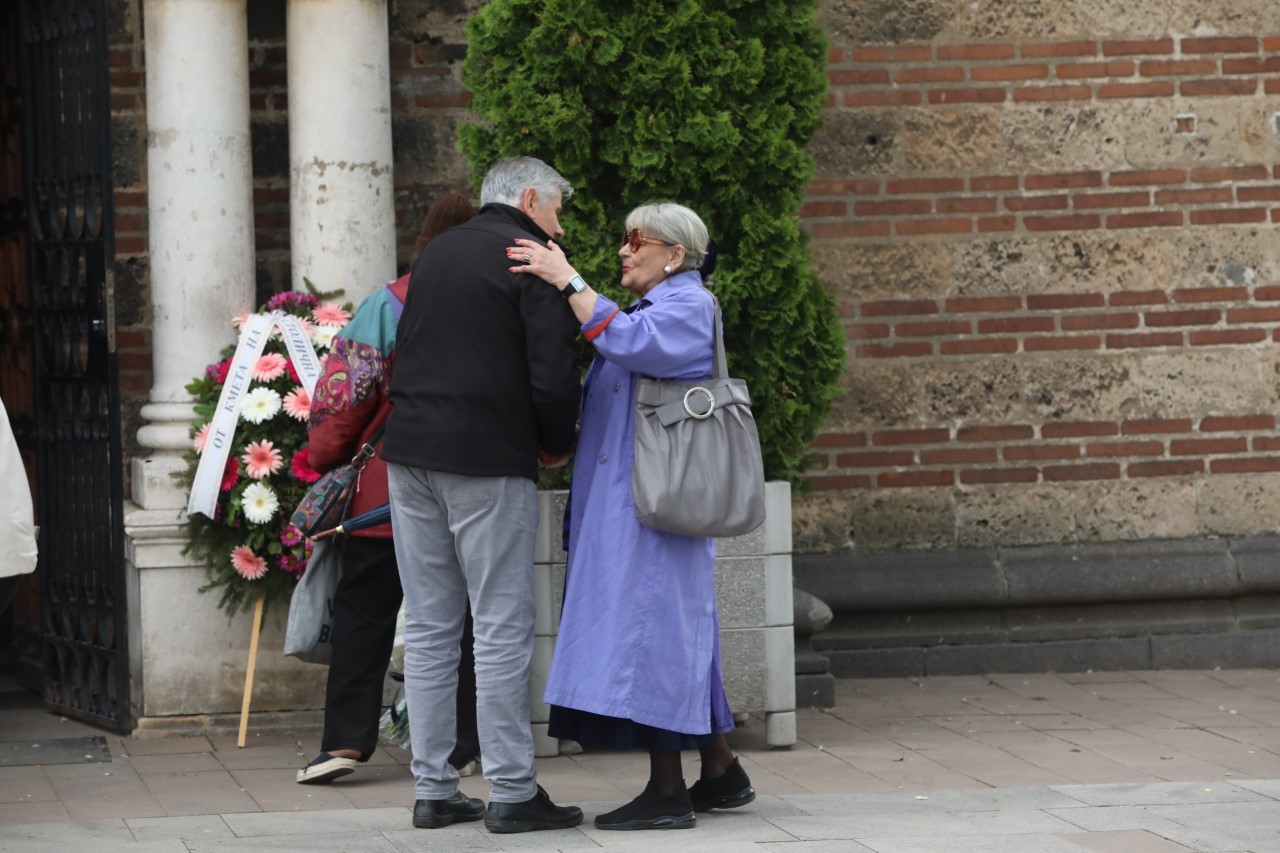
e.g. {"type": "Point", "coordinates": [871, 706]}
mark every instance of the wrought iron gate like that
{"type": "Point", "coordinates": [80, 492]}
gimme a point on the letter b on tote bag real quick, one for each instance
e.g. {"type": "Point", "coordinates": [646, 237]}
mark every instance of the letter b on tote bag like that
{"type": "Point", "coordinates": [308, 636]}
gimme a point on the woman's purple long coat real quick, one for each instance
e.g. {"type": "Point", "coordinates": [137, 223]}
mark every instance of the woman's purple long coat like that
{"type": "Point", "coordinates": [639, 635]}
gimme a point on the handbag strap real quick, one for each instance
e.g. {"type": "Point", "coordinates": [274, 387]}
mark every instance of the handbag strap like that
{"type": "Point", "coordinates": [719, 369]}
{"type": "Point", "coordinates": [719, 365]}
{"type": "Point", "coordinates": [370, 447]}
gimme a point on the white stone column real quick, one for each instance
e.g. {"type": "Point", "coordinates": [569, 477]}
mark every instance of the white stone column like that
{"type": "Point", "coordinates": [341, 196]}
{"type": "Point", "coordinates": [185, 663]}
{"type": "Point", "coordinates": [200, 215]}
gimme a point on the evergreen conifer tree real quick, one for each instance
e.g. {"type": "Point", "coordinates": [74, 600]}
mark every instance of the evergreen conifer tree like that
{"type": "Point", "coordinates": [709, 103]}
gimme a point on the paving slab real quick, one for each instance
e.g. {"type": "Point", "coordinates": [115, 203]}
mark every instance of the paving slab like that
{"type": "Point", "coordinates": [312, 823]}
{"type": "Point", "coordinates": [195, 828]}
{"type": "Point", "coordinates": [428, 841]}
{"type": "Point", "coordinates": [1163, 793]}
{"type": "Point", "coordinates": [1024, 843]}
{"type": "Point", "coordinates": [1124, 841]}
{"type": "Point", "coordinates": [1144, 762]}
{"type": "Point", "coordinates": [339, 842]}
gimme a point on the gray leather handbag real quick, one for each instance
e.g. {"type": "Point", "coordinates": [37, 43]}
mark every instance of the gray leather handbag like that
{"type": "Point", "coordinates": [698, 469]}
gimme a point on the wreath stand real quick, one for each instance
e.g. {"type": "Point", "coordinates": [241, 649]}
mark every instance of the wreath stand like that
{"type": "Point", "coordinates": [248, 673]}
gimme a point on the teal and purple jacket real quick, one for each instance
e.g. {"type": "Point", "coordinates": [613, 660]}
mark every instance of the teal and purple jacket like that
{"type": "Point", "coordinates": [350, 401]}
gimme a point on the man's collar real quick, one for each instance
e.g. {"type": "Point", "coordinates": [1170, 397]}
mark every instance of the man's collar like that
{"type": "Point", "coordinates": [524, 221]}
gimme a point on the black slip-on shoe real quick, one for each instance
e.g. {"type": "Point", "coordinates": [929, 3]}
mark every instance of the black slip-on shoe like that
{"type": "Point", "coordinates": [652, 811]}
{"type": "Point", "coordinates": [537, 812]}
{"type": "Point", "coordinates": [324, 768]}
{"type": "Point", "coordinates": [433, 814]}
{"type": "Point", "coordinates": [730, 790]}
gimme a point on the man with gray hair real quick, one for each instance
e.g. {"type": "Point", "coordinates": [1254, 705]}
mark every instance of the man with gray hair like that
{"type": "Point", "coordinates": [486, 385]}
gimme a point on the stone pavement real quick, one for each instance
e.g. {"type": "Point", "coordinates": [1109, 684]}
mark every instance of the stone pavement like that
{"type": "Point", "coordinates": [1120, 762]}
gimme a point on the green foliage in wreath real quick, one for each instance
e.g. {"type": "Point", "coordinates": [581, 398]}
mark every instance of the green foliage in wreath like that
{"type": "Point", "coordinates": [248, 548]}
{"type": "Point", "coordinates": [709, 104]}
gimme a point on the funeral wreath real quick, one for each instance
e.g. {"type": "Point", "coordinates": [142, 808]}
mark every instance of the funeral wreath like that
{"type": "Point", "coordinates": [248, 469]}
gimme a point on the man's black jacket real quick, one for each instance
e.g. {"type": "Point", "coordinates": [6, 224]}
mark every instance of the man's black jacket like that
{"type": "Point", "coordinates": [486, 370]}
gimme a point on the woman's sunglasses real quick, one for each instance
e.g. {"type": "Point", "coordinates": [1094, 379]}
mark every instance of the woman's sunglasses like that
{"type": "Point", "coordinates": [635, 240]}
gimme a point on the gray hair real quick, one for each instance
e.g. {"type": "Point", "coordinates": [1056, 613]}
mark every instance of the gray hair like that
{"type": "Point", "coordinates": [508, 178]}
{"type": "Point", "coordinates": [673, 223]}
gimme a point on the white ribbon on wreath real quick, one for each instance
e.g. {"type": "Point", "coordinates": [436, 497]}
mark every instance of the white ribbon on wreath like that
{"type": "Point", "coordinates": [222, 429]}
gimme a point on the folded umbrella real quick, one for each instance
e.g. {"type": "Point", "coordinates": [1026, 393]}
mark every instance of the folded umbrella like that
{"type": "Point", "coordinates": [372, 518]}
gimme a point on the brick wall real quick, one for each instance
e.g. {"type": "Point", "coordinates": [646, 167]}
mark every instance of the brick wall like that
{"type": "Point", "coordinates": [1053, 259]}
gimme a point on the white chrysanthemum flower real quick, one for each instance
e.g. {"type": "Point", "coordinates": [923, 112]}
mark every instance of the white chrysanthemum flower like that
{"type": "Point", "coordinates": [260, 503]}
{"type": "Point", "coordinates": [259, 405]}
{"type": "Point", "coordinates": [322, 335]}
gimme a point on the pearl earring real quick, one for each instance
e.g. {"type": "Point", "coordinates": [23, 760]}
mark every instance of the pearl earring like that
{"type": "Point", "coordinates": [666, 270]}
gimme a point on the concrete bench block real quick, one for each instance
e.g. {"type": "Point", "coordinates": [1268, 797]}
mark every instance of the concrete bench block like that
{"type": "Point", "coordinates": [1066, 656]}
{"type": "Point", "coordinates": [909, 579]}
{"type": "Point", "coordinates": [1242, 650]}
{"type": "Point", "coordinates": [1132, 571]}
{"type": "Point", "coordinates": [1258, 561]}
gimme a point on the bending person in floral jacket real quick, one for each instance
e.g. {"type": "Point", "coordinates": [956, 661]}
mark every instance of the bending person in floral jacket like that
{"type": "Point", "coordinates": [349, 409]}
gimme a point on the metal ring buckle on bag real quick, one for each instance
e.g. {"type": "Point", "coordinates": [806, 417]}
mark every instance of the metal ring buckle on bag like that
{"type": "Point", "coordinates": [362, 457]}
{"type": "Point", "coordinates": [711, 401]}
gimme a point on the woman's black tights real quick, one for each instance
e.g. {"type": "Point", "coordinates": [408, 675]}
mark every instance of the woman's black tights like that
{"type": "Point", "coordinates": [666, 774]}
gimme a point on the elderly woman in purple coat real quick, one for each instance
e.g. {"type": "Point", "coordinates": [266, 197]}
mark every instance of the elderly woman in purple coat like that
{"type": "Point", "coordinates": [637, 660]}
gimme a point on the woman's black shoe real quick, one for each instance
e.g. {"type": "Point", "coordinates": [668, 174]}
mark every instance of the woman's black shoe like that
{"type": "Point", "coordinates": [324, 768]}
{"type": "Point", "coordinates": [433, 814]}
{"type": "Point", "coordinates": [537, 812]}
{"type": "Point", "coordinates": [730, 790]}
{"type": "Point", "coordinates": [652, 811]}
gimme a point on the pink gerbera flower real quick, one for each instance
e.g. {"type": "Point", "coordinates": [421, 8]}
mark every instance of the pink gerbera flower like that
{"type": "Point", "coordinates": [291, 535]}
{"type": "Point", "coordinates": [200, 438]}
{"type": "Point", "coordinates": [261, 459]}
{"type": "Point", "coordinates": [297, 404]}
{"type": "Point", "coordinates": [270, 366]}
{"type": "Point", "coordinates": [301, 466]}
{"type": "Point", "coordinates": [330, 314]}
{"type": "Point", "coordinates": [239, 320]}
{"type": "Point", "coordinates": [224, 367]}
{"type": "Point", "coordinates": [248, 564]}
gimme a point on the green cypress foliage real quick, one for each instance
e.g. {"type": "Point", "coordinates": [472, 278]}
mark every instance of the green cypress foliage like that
{"type": "Point", "coordinates": [709, 103]}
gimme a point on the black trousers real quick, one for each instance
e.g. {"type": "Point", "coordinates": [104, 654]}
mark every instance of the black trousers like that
{"type": "Point", "coordinates": [7, 587]}
{"type": "Point", "coordinates": [364, 626]}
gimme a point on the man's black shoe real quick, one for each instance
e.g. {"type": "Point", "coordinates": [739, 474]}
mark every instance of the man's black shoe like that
{"type": "Point", "coordinates": [433, 814]}
{"type": "Point", "coordinates": [537, 812]}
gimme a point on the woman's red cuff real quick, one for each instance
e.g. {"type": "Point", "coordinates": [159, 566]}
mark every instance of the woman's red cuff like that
{"type": "Point", "coordinates": [594, 332]}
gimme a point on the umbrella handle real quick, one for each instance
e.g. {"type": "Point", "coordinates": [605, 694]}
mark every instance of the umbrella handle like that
{"type": "Point", "coordinates": [325, 534]}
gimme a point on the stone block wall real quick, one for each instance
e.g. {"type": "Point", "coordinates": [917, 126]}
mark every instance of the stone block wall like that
{"type": "Point", "coordinates": [1050, 231]}
{"type": "Point", "coordinates": [1049, 228]}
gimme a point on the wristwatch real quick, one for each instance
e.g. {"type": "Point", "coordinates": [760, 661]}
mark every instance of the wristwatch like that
{"type": "Point", "coordinates": [575, 285]}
